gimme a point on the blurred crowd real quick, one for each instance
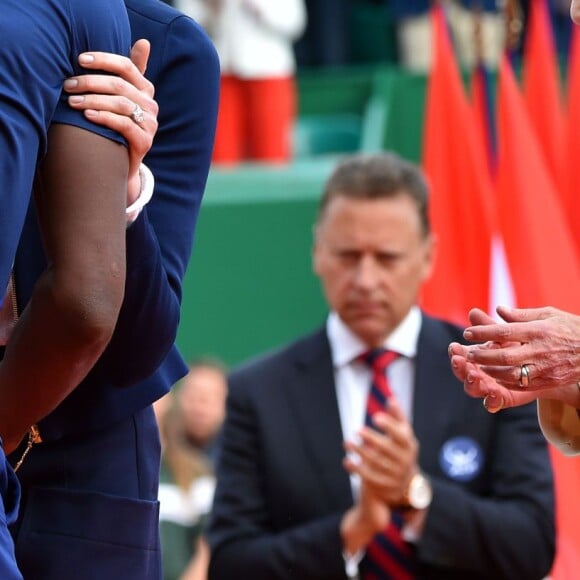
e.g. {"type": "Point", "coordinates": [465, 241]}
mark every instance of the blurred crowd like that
{"type": "Point", "coordinates": [262, 44]}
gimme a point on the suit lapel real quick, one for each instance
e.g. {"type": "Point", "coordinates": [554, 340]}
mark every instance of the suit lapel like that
{"type": "Point", "coordinates": [431, 399]}
{"type": "Point", "coordinates": [312, 399]}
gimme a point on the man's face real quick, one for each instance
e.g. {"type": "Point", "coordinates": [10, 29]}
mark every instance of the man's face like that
{"type": "Point", "coordinates": [372, 257]}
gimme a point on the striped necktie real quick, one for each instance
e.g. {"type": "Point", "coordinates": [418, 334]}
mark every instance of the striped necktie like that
{"type": "Point", "coordinates": [388, 556]}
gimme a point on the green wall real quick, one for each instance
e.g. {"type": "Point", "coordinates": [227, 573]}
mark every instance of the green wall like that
{"type": "Point", "coordinates": [249, 284]}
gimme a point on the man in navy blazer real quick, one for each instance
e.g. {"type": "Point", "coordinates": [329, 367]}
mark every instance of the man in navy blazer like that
{"type": "Point", "coordinates": [89, 506]}
{"type": "Point", "coordinates": [473, 492]}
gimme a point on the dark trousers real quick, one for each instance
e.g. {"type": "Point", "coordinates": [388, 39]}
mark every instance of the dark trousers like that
{"type": "Point", "coordinates": [89, 505]}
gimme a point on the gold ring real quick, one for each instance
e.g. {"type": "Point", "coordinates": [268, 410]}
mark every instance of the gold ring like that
{"type": "Point", "coordinates": [524, 377]}
{"type": "Point", "coordinates": [137, 114]}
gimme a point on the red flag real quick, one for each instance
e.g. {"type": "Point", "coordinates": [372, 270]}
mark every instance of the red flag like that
{"type": "Point", "coordinates": [572, 142]}
{"type": "Point", "coordinates": [482, 103]}
{"type": "Point", "coordinates": [542, 89]}
{"type": "Point", "coordinates": [539, 246]}
{"type": "Point", "coordinates": [461, 193]}
{"type": "Point", "coordinates": [542, 261]}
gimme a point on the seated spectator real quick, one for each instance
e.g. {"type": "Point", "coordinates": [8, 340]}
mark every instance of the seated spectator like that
{"type": "Point", "coordinates": [189, 421]}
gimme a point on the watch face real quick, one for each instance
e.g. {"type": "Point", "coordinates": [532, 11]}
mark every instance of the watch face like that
{"type": "Point", "coordinates": [420, 492]}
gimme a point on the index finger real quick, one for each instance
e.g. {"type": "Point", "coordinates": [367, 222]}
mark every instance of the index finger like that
{"type": "Point", "coordinates": [526, 314]}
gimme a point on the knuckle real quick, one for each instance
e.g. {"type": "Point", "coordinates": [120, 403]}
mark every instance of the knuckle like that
{"type": "Point", "coordinates": [126, 66]}
{"type": "Point", "coordinates": [504, 331]}
{"type": "Point", "coordinates": [117, 84]}
{"type": "Point", "coordinates": [507, 359]}
{"type": "Point", "coordinates": [149, 88]}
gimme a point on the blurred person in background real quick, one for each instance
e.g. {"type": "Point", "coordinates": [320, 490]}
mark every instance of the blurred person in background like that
{"type": "Point", "coordinates": [414, 30]}
{"type": "Point", "coordinates": [258, 107]}
{"type": "Point", "coordinates": [431, 486]}
{"type": "Point", "coordinates": [202, 394]}
{"type": "Point", "coordinates": [190, 419]}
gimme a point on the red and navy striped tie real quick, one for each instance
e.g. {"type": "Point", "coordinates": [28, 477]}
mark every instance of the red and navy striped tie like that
{"type": "Point", "coordinates": [388, 556]}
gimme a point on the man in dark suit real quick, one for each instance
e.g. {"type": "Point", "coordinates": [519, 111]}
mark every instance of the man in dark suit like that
{"type": "Point", "coordinates": [432, 486]}
{"type": "Point", "coordinates": [89, 506]}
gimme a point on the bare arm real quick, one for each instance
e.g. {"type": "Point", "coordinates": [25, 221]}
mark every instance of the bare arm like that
{"type": "Point", "coordinates": [75, 304]}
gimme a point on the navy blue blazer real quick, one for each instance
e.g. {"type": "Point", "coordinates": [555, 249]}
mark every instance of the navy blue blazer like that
{"type": "Point", "coordinates": [141, 362]}
{"type": "Point", "coordinates": [282, 491]}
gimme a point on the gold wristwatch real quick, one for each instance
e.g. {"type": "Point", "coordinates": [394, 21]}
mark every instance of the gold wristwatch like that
{"type": "Point", "coordinates": [419, 493]}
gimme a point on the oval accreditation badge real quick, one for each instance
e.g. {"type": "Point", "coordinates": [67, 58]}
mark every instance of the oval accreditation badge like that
{"type": "Point", "coordinates": [461, 458]}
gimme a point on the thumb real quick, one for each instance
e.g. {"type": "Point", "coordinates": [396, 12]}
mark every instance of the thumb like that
{"type": "Point", "coordinates": [140, 54]}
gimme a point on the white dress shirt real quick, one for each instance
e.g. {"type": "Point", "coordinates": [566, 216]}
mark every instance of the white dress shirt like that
{"type": "Point", "coordinates": [353, 379]}
{"type": "Point", "coordinates": [353, 382]}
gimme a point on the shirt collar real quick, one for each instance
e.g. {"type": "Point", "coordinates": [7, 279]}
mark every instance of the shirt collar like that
{"type": "Point", "coordinates": [345, 346]}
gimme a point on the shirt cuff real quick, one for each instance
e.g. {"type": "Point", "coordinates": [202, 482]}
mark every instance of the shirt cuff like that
{"type": "Point", "coordinates": [412, 530]}
{"type": "Point", "coordinates": [351, 563]}
{"type": "Point", "coordinates": [145, 194]}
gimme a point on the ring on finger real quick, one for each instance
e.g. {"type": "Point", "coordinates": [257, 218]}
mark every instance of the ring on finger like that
{"type": "Point", "coordinates": [137, 115]}
{"type": "Point", "coordinates": [524, 376]}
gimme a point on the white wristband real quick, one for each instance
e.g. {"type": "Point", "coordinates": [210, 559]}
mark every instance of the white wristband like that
{"type": "Point", "coordinates": [145, 193]}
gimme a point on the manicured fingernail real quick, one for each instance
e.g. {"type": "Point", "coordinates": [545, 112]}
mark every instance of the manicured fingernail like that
{"type": "Point", "coordinates": [467, 334]}
{"type": "Point", "coordinates": [86, 58]}
{"type": "Point", "coordinates": [75, 99]}
{"type": "Point", "coordinates": [91, 114]}
{"type": "Point", "coordinates": [70, 83]}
